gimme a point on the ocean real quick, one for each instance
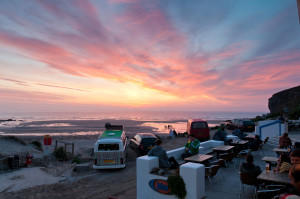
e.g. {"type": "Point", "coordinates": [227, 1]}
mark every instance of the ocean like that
{"type": "Point", "coordinates": [86, 123]}
{"type": "Point", "coordinates": [130, 115]}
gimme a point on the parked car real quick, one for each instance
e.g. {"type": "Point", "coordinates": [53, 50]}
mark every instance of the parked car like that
{"type": "Point", "coordinates": [199, 128]}
{"type": "Point", "coordinates": [243, 124]}
{"type": "Point", "coordinates": [229, 125]}
{"type": "Point", "coordinates": [142, 143]}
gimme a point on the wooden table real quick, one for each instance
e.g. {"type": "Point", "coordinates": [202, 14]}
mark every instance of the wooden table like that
{"type": "Point", "coordinates": [275, 177]}
{"type": "Point", "coordinates": [250, 137]}
{"type": "Point", "coordinates": [198, 158]}
{"type": "Point", "coordinates": [281, 150]}
{"type": "Point", "coordinates": [222, 149]}
{"type": "Point", "coordinates": [239, 144]}
{"type": "Point", "coordinates": [270, 159]}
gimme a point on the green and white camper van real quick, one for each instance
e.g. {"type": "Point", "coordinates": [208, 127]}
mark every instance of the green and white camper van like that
{"type": "Point", "coordinates": [110, 148]}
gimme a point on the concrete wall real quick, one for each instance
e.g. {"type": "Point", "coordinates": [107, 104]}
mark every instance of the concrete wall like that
{"type": "Point", "coordinates": [270, 131]}
{"type": "Point", "coordinates": [193, 175]}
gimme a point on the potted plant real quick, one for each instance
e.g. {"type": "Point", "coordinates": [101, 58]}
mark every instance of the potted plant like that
{"type": "Point", "coordinates": [177, 186]}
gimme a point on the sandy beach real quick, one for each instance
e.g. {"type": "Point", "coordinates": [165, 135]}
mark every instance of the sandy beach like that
{"type": "Point", "coordinates": [49, 178]}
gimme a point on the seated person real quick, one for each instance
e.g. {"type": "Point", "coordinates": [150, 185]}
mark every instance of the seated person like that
{"type": "Point", "coordinates": [254, 144]}
{"type": "Point", "coordinates": [294, 175]}
{"type": "Point", "coordinates": [221, 135]}
{"type": "Point", "coordinates": [249, 167]}
{"type": "Point", "coordinates": [283, 163]}
{"type": "Point", "coordinates": [164, 161]}
{"type": "Point", "coordinates": [295, 157]}
{"type": "Point", "coordinates": [285, 141]}
{"type": "Point", "coordinates": [191, 147]}
{"type": "Point", "coordinates": [239, 133]}
{"type": "Point", "coordinates": [295, 147]}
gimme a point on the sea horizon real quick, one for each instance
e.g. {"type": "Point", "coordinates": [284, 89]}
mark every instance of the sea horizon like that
{"type": "Point", "coordinates": [130, 115]}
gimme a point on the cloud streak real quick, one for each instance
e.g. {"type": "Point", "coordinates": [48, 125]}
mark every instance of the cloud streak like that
{"type": "Point", "coordinates": [182, 51]}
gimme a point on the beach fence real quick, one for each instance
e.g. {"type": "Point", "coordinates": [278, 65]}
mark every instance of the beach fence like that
{"type": "Point", "coordinates": [65, 144]}
{"type": "Point", "coordinates": [270, 128]}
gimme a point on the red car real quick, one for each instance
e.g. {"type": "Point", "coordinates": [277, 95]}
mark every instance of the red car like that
{"type": "Point", "coordinates": [199, 128]}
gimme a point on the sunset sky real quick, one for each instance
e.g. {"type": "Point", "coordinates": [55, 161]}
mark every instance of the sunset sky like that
{"type": "Point", "coordinates": [194, 55]}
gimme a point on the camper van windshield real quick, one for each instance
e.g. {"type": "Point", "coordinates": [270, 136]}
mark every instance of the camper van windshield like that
{"type": "Point", "coordinates": [199, 125]}
{"type": "Point", "coordinates": [108, 147]}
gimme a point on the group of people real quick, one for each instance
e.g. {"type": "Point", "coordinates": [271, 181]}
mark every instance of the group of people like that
{"type": "Point", "coordinates": [191, 148]}
{"type": "Point", "coordinates": [287, 162]}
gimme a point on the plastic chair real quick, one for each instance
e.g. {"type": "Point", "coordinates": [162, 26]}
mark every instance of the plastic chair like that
{"type": "Point", "coordinates": [211, 172]}
{"type": "Point", "coordinates": [220, 163]}
{"type": "Point", "coordinates": [248, 179]}
{"type": "Point", "coordinates": [227, 157]}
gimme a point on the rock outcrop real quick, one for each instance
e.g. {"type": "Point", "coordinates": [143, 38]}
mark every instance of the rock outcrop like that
{"type": "Point", "coordinates": [289, 98]}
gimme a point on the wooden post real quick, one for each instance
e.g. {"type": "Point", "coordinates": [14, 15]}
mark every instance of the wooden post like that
{"type": "Point", "coordinates": [73, 148]}
{"type": "Point", "coordinates": [55, 145]}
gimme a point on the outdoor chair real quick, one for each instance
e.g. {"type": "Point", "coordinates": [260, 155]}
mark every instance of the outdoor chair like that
{"type": "Point", "coordinates": [271, 191]}
{"type": "Point", "coordinates": [211, 172]}
{"type": "Point", "coordinates": [260, 149]}
{"type": "Point", "coordinates": [266, 140]}
{"type": "Point", "coordinates": [220, 163]}
{"type": "Point", "coordinates": [242, 155]}
{"type": "Point", "coordinates": [227, 157]}
{"type": "Point", "coordinates": [248, 179]}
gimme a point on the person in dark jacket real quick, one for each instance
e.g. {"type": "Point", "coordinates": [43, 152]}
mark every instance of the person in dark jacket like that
{"type": "Point", "coordinates": [239, 133]}
{"type": "Point", "coordinates": [220, 135]}
{"type": "Point", "coordinates": [249, 167]}
{"type": "Point", "coordinates": [164, 161]}
{"type": "Point", "coordinates": [254, 145]}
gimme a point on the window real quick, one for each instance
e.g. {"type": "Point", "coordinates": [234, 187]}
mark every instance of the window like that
{"type": "Point", "coordinates": [149, 141]}
{"type": "Point", "coordinates": [199, 125]}
{"type": "Point", "coordinates": [108, 147]}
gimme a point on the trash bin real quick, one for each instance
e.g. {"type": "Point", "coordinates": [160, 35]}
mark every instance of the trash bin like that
{"type": "Point", "coordinates": [28, 159]}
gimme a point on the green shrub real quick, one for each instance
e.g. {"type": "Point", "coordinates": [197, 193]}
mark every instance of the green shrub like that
{"type": "Point", "coordinates": [76, 160]}
{"type": "Point", "coordinates": [177, 186]}
{"type": "Point", "coordinates": [215, 127]}
{"type": "Point", "coordinates": [15, 139]}
{"type": "Point", "coordinates": [38, 145]}
{"type": "Point", "coordinates": [60, 153]}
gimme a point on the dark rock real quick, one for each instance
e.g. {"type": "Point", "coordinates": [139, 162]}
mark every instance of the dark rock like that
{"type": "Point", "coordinates": [289, 98]}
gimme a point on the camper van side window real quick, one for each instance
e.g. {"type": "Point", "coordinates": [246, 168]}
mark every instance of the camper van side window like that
{"type": "Point", "coordinates": [108, 147]}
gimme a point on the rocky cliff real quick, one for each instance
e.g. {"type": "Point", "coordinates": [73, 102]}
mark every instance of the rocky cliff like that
{"type": "Point", "coordinates": [289, 97]}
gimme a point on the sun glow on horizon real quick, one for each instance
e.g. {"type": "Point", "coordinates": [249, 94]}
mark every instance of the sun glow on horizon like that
{"type": "Point", "coordinates": [161, 55]}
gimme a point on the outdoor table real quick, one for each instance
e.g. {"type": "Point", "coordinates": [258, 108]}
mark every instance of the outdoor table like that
{"type": "Point", "coordinates": [239, 144]}
{"type": "Point", "coordinates": [249, 137]}
{"type": "Point", "coordinates": [274, 177]}
{"type": "Point", "coordinates": [198, 158]}
{"type": "Point", "coordinates": [281, 150]}
{"type": "Point", "coordinates": [270, 160]}
{"type": "Point", "coordinates": [222, 149]}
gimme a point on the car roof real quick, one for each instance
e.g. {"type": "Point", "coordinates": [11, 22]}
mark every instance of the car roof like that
{"type": "Point", "coordinates": [117, 134]}
{"type": "Point", "coordinates": [196, 120]}
{"type": "Point", "coordinates": [146, 135]}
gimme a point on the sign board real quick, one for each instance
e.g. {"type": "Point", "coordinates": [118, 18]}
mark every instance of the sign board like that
{"type": "Point", "coordinates": [160, 186]}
